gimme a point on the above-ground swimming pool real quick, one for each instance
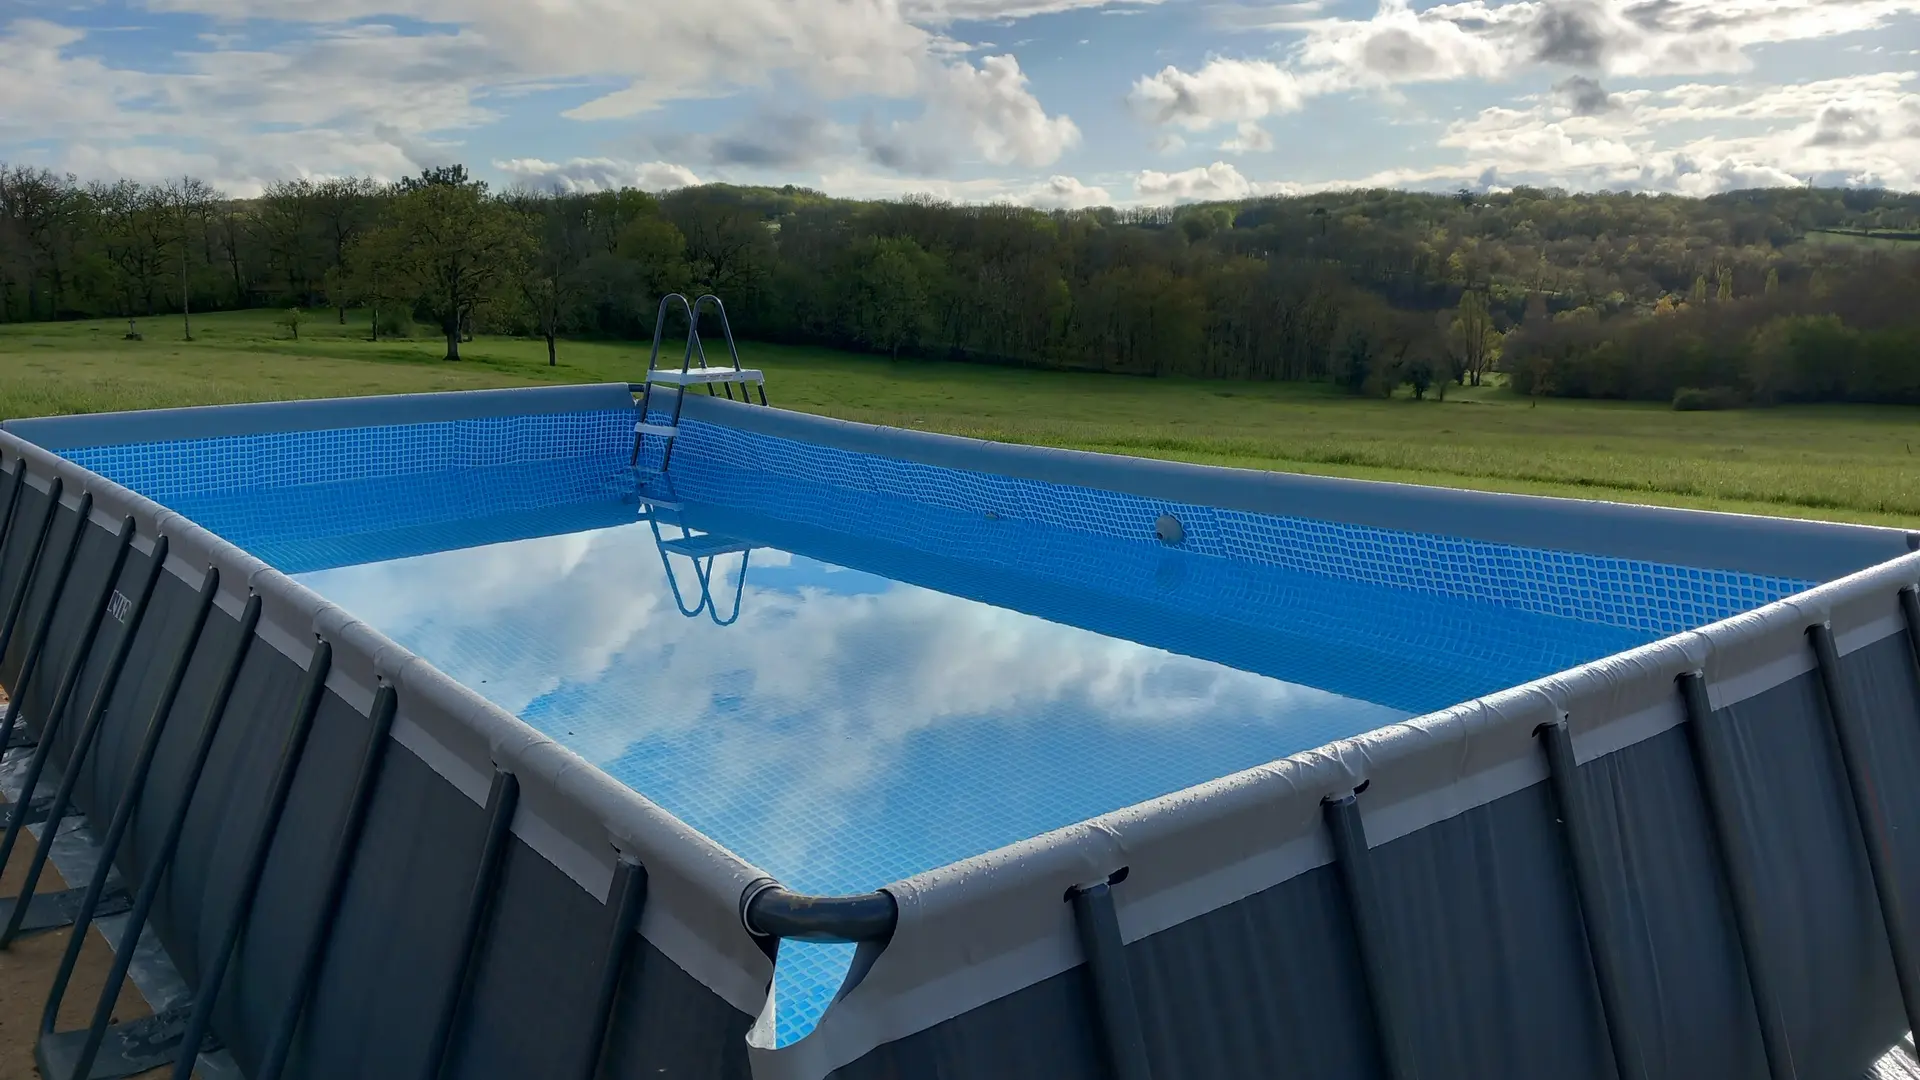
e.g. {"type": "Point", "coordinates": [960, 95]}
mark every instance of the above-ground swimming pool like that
{"type": "Point", "coordinates": [1033, 705]}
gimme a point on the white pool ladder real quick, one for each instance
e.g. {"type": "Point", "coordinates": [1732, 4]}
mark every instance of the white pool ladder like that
{"type": "Point", "coordinates": [688, 375]}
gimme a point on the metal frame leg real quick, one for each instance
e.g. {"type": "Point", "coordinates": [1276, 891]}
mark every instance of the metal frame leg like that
{"type": "Point", "coordinates": [13, 502]}
{"type": "Point", "coordinates": [626, 898]}
{"type": "Point", "coordinates": [1354, 865]}
{"type": "Point", "coordinates": [25, 587]}
{"type": "Point", "coordinates": [291, 751]}
{"type": "Point", "coordinates": [1577, 832]}
{"type": "Point", "coordinates": [56, 713]}
{"type": "Point", "coordinates": [37, 640]}
{"type": "Point", "coordinates": [1116, 1011]}
{"type": "Point", "coordinates": [379, 738]}
{"type": "Point", "coordinates": [122, 815]}
{"type": "Point", "coordinates": [1856, 756]}
{"type": "Point", "coordinates": [1910, 607]}
{"type": "Point", "coordinates": [502, 800]}
{"type": "Point", "coordinates": [1737, 873]}
{"type": "Point", "coordinates": [82, 747]}
{"type": "Point", "coordinates": [153, 1034]}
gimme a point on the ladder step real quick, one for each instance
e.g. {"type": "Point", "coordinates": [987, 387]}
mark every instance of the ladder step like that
{"type": "Point", "coordinates": [700, 547]}
{"type": "Point", "coordinates": [704, 375]}
{"type": "Point", "coordinates": [665, 431]}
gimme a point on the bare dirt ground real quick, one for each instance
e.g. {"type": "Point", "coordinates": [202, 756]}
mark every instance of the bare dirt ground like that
{"type": "Point", "coordinates": [27, 969]}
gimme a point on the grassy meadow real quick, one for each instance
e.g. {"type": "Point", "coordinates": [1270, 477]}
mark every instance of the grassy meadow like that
{"type": "Point", "coordinates": [1838, 462]}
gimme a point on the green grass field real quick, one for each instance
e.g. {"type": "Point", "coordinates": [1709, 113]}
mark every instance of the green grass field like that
{"type": "Point", "coordinates": [1849, 463]}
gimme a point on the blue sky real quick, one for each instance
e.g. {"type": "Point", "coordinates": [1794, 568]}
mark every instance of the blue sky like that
{"type": "Point", "coordinates": [1048, 102]}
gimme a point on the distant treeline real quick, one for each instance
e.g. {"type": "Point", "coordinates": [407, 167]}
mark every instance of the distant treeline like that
{"type": "Point", "coordinates": [1609, 295]}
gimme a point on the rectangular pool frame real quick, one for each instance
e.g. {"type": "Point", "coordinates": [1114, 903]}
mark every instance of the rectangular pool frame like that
{"type": "Point", "coordinates": [1695, 858]}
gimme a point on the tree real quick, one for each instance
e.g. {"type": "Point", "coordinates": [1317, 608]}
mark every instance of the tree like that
{"type": "Point", "coordinates": [453, 250]}
{"type": "Point", "coordinates": [183, 208]}
{"type": "Point", "coordinates": [1473, 338]}
{"type": "Point", "coordinates": [887, 304]}
{"type": "Point", "coordinates": [288, 225]}
{"type": "Point", "coordinates": [341, 209]}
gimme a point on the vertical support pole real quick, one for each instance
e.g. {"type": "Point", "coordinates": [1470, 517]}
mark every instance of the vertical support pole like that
{"type": "Point", "coordinates": [1577, 833]}
{"type": "Point", "coordinates": [37, 640]}
{"type": "Point", "coordinates": [1737, 872]}
{"type": "Point", "coordinates": [32, 570]}
{"type": "Point", "coordinates": [291, 751]}
{"type": "Point", "coordinates": [84, 741]}
{"type": "Point", "coordinates": [1354, 864]}
{"type": "Point", "coordinates": [1115, 1009]}
{"type": "Point", "coordinates": [379, 737]}
{"type": "Point", "coordinates": [50, 727]}
{"type": "Point", "coordinates": [501, 802]}
{"type": "Point", "coordinates": [13, 502]}
{"type": "Point", "coordinates": [1856, 756]}
{"type": "Point", "coordinates": [129, 801]}
{"type": "Point", "coordinates": [1910, 606]}
{"type": "Point", "coordinates": [626, 897]}
{"type": "Point", "coordinates": [163, 859]}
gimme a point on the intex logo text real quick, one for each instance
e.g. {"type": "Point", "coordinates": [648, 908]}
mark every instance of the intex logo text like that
{"type": "Point", "coordinates": [118, 606]}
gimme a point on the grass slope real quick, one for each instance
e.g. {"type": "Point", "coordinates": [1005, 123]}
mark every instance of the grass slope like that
{"type": "Point", "coordinates": [1853, 463]}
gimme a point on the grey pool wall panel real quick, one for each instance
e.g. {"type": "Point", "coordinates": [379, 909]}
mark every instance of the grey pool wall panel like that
{"type": "Point", "coordinates": [696, 970]}
{"type": "Point", "coordinates": [1241, 943]}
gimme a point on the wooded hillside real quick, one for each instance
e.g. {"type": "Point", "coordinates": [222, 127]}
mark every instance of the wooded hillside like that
{"type": "Point", "coordinates": [1750, 297]}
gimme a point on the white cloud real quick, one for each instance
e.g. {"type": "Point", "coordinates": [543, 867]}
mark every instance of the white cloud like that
{"type": "Point", "coordinates": [372, 97]}
{"type": "Point", "coordinates": [1248, 138]}
{"type": "Point", "coordinates": [1857, 130]}
{"type": "Point", "coordinates": [597, 174]}
{"type": "Point", "coordinates": [941, 12]}
{"type": "Point", "coordinates": [1208, 182]}
{"type": "Point", "coordinates": [1223, 91]}
{"type": "Point", "coordinates": [1494, 40]}
{"type": "Point", "coordinates": [988, 108]}
{"type": "Point", "coordinates": [1066, 193]}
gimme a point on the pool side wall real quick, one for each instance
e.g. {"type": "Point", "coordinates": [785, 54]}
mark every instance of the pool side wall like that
{"type": "Point", "coordinates": [1240, 945]}
{"type": "Point", "coordinates": [696, 978]}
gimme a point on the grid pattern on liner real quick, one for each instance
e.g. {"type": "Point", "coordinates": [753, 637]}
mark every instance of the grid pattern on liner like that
{"type": "Point", "coordinates": [1652, 598]}
{"type": "Point", "coordinates": [375, 504]}
{"type": "Point", "coordinates": [1258, 616]}
{"type": "Point", "coordinates": [165, 471]}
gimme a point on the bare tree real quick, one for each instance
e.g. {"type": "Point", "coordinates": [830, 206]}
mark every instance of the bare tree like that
{"type": "Point", "coordinates": [342, 209]}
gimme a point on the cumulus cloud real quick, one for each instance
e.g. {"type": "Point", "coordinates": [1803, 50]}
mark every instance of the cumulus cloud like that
{"type": "Point", "coordinates": [988, 109]}
{"type": "Point", "coordinates": [1582, 96]}
{"type": "Point", "coordinates": [581, 175]}
{"type": "Point", "coordinates": [369, 96]}
{"type": "Point", "coordinates": [1248, 138]}
{"type": "Point", "coordinates": [1495, 40]}
{"type": "Point", "coordinates": [1066, 193]}
{"type": "Point", "coordinates": [1205, 183]}
{"type": "Point", "coordinates": [1222, 91]}
{"type": "Point", "coordinates": [1856, 130]}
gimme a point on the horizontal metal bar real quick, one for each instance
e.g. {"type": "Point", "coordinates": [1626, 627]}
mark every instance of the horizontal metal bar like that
{"type": "Point", "coordinates": [51, 911]}
{"type": "Point", "coordinates": [769, 910]}
{"type": "Point", "coordinates": [661, 430]}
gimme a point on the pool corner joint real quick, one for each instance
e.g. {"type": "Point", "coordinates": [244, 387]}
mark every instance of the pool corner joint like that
{"type": "Point", "coordinates": [769, 910]}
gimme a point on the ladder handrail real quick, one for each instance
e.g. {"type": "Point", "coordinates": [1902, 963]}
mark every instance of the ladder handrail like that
{"type": "Point", "coordinates": [726, 327]}
{"type": "Point", "coordinates": [660, 326]}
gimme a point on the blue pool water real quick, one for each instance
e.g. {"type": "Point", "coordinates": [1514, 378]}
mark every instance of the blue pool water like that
{"type": "Point", "coordinates": [892, 667]}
